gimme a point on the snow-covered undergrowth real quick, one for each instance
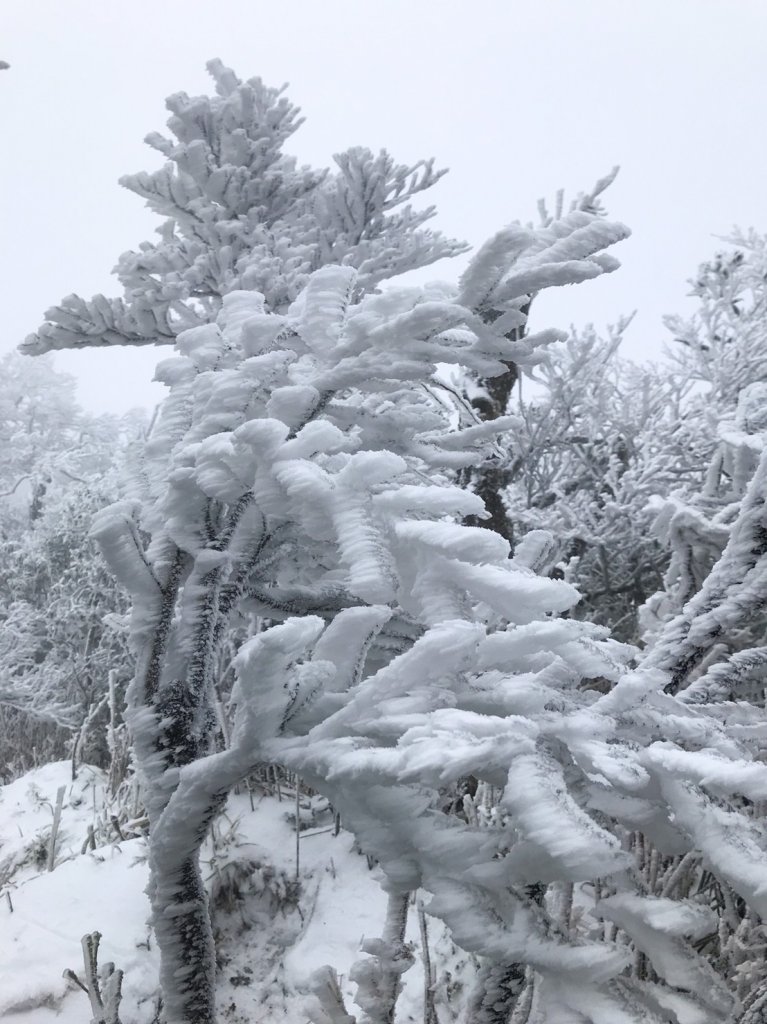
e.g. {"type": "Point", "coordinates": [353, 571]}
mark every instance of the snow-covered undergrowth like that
{"type": "Point", "coordinates": [273, 929]}
{"type": "Point", "coordinates": [46, 913]}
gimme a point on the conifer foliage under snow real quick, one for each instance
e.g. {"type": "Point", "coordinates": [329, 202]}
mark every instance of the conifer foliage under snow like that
{"type": "Point", "coordinates": [242, 214]}
{"type": "Point", "coordinates": [299, 466]}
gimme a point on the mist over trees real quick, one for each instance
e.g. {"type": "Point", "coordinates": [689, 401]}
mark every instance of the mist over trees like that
{"type": "Point", "coordinates": [484, 600]}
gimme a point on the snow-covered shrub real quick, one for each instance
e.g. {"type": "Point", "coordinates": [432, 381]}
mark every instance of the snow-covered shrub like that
{"type": "Point", "coordinates": [43, 433]}
{"type": "Point", "coordinates": [57, 649]}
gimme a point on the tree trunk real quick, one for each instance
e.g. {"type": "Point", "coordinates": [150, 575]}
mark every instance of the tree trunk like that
{"type": "Point", "coordinates": [185, 938]}
{"type": "Point", "coordinates": [378, 979]}
{"type": "Point", "coordinates": [168, 723]}
{"type": "Point", "coordinates": [177, 892]}
{"type": "Point", "coordinates": [490, 482]}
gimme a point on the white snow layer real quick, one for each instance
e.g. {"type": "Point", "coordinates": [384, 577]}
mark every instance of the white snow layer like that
{"type": "Point", "coordinates": [268, 945]}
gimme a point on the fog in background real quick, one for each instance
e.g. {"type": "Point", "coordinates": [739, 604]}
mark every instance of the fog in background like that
{"type": "Point", "coordinates": [517, 98]}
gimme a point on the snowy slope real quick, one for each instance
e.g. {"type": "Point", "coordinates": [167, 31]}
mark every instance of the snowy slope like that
{"type": "Point", "coordinates": [45, 914]}
{"type": "Point", "coordinates": [269, 940]}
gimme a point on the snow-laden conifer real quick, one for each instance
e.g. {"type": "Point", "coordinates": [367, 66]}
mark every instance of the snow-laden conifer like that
{"type": "Point", "coordinates": [297, 476]}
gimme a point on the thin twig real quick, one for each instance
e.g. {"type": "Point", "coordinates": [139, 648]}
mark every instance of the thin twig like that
{"type": "Point", "coordinates": [429, 1012]}
{"type": "Point", "coordinates": [298, 827]}
{"type": "Point", "coordinates": [55, 826]}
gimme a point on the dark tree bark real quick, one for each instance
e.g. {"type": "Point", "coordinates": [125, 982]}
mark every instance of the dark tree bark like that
{"type": "Point", "coordinates": [491, 481]}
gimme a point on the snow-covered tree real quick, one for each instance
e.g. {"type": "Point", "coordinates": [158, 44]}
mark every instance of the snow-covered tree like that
{"type": "Point", "coordinates": [695, 707]}
{"type": "Point", "coordinates": [669, 764]}
{"type": "Point", "coordinates": [595, 446]}
{"type": "Point", "coordinates": [298, 466]}
{"type": "Point", "coordinates": [722, 345]}
{"type": "Point", "coordinates": [289, 473]}
{"type": "Point", "coordinates": [58, 466]}
{"type": "Point", "coordinates": [61, 634]}
{"type": "Point", "coordinates": [44, 435]}
{"type": "Point", "coordinates": [720, 352]}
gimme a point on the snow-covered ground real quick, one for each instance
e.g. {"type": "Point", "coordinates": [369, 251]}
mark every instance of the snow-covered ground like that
{"type": "Point", "coordinates": [272, 933]}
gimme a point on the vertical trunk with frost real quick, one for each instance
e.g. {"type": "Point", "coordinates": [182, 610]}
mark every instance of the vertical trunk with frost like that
{"type": "Point", "coordinates": [162, 719]}
{"type": "Point", "coordinates": [379, 978]}
{"type": "Point", "coordinates": [179, 620]}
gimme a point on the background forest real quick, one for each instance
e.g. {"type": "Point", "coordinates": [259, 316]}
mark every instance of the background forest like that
{"type": "Point", "coordinates": [405, 616]}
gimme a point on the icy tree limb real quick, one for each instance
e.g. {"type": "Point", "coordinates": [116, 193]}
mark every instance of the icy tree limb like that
{"type": "Point", "coordinates": [429, 1012]}
{"type": "Point", "coordinates": [326, 1005]}
{"type": "Point", "coordinates": [55, 827]}
{"type": "Point", "coordinates": [103, 986]}
{"type": "Point", "coordinates": [379, 979]}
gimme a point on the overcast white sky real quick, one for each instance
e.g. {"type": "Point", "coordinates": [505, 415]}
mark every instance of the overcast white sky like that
{"type": "Point", "coordinates": [517, 97]}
